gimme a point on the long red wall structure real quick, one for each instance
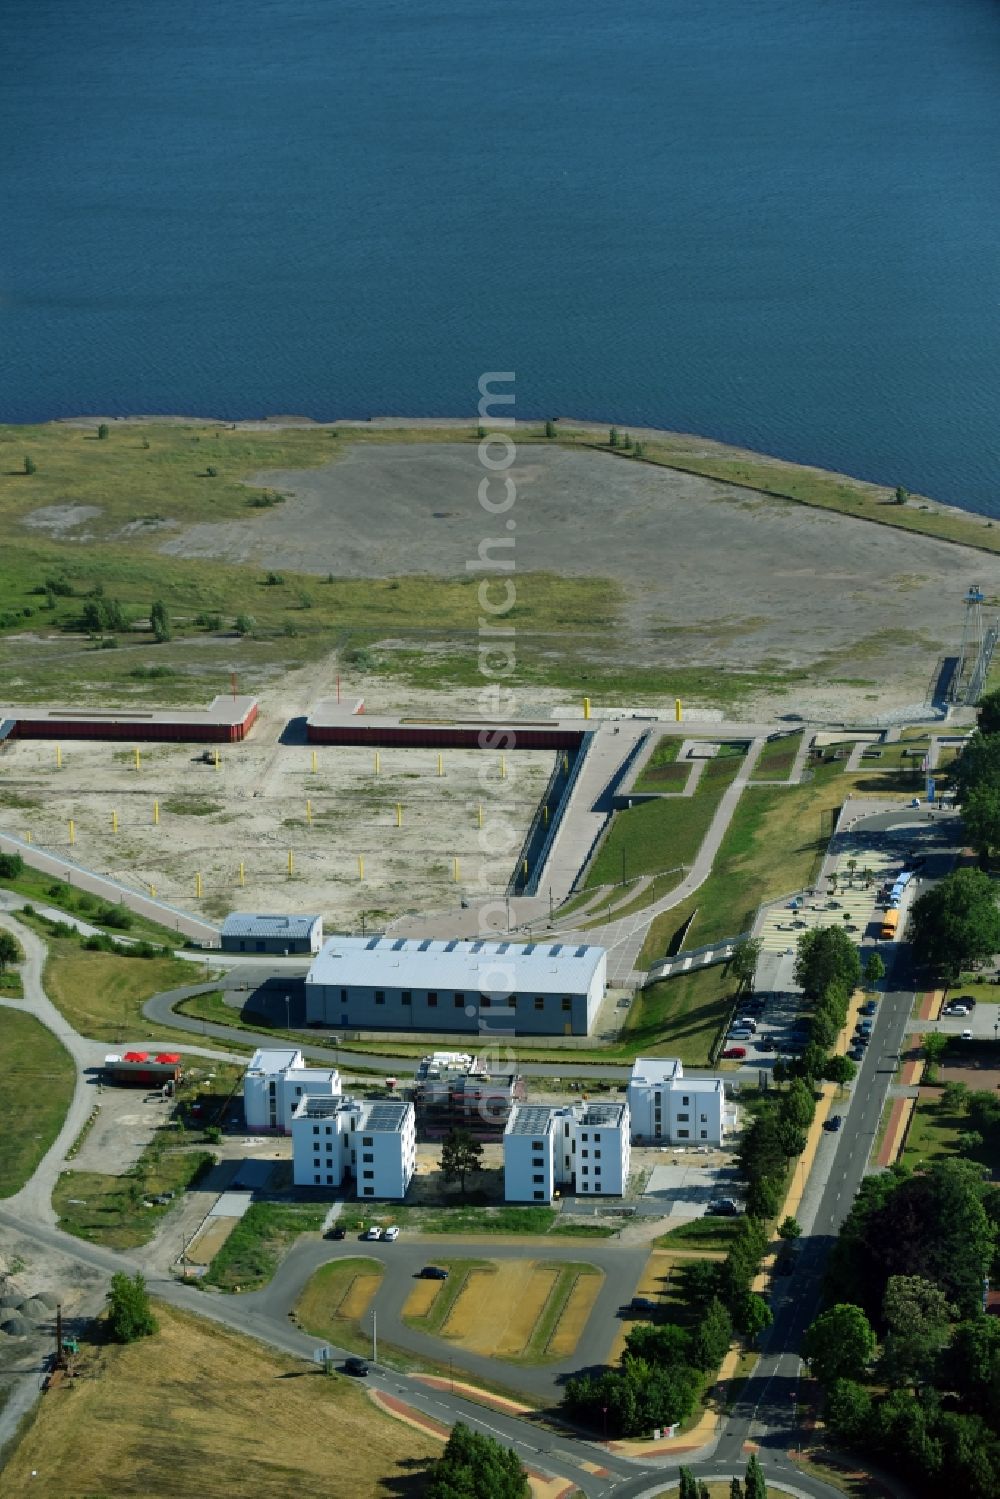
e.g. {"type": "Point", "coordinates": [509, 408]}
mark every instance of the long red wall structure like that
{"type": "Point", "coordinates": [498, 736]}
{"type": "Point", "coordinates": [226, 721]}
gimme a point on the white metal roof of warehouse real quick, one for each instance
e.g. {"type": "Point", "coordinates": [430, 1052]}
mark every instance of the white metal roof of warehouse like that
{"type": "Point", "coordinates": [240, 924]}
{"type": "Point", "coordinates": [479, 967]}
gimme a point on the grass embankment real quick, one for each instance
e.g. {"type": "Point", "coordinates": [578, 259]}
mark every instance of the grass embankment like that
{"type": "Point", "coordinates": [260, 1423]}
{"type": "Point", "coordinates": [700, 1233]}
{"type": "Point", "coordinates": [812, 486]}
{"type": "Point", "coordinates": [335, 1300]}
{"type": "Point", "coordinates": [453, 1220]}
{"type": "Point", "coordinates": [775, 761]}
{"type": "Point", "coordinates": [661, 835]}
{"type": "Point", "coordinates": [41, 889]}
{"type": "Point", "coordinates": [38, 1083]}
{"type": "Point", "coordinates": [115, 1210]}
{"type": "Point", "coordinates": [661, 771]}
{"type": "Point", "coordinates": [102, 994]}
{"type": "Point", "coordinates": [261, 1238]}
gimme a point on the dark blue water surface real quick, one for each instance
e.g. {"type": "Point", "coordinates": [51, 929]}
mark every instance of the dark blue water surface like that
{"type": "Point", "coordinates": [773, 221]}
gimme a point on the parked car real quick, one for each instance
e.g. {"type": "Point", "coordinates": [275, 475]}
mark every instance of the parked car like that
{"type": "Point", "coordinates": [834, 1123]}
{"type": "Point", "coordinates": [746, 1023]}
{"type": "Point", "coordinates": [433, 1272]}
{"type": "Point", "coordinates": [865, 1027]}
{"type": "Point", "coordinates": [372, 1233]}
{"type": "Point", "coordinates": [857, 1053]}
{"type": "Point", "coordinates": [965, 999]}
{"type": "Point", "coordinates": [722, 1207]}
{"type": "Point", "coordinates": [391, 1233]}
{"type": "Point", "coordinates": [966, 1035]}
{"type": "Point", "coordinates": [957, 1011]}
{"type": "Point", "coordinates": [356, 1366]}
{"type": "Point", "coordinates": [641, 1304]}
{"type": "Point", "coordinates": [336, 1232]}
{"type": "Point", "coordinates": [734, 1053]}
{"type": "Point", "coordinates": [870, 1008]}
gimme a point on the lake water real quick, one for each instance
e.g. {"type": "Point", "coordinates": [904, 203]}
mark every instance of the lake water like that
{"type": "Point", "coordinates": [772, 221]}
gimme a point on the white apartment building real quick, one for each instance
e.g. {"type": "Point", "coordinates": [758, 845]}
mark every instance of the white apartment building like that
{"type": "Point", "coordinates": [667, 1107]}
{"type": "Point", "coordinates": [274, 1084]}
{"type": "Point", "coordinates": [585, 1148]}
{"type": "Point", "coordinates": [371, 1141]}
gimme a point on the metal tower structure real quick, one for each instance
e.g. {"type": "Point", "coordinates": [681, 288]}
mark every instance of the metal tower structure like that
{"type": "Point", "coordinates": [975, 652]}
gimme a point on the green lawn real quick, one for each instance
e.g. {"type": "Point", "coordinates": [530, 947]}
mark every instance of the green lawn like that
{"type": "Point", "coordinates": [257, 1244]}
{"type": "Point", "coordinates": [661, 771]}
{"type": "Point", "coordinates": [933, 1134]}
{"type": "Point", "coordinates": [660, 835]}
{"type": "Point", "coordinates": [102, 994]}
{"type": "Point", "coordinates": [38, 1083]}
{"type": "Point", "coordinates": [111, 1210]}
{"type": "Point", "coordinates": [680, 1017]}
{"type": "Point", "coordinates": [775, 761]}
{"type": "Point", "coordinates": [43, 890]}
{"type": "Point", "coordinates": [701, 1233]}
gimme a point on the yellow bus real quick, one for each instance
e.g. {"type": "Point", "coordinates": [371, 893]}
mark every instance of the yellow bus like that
{"type": "Point", "coordinates": [890, 921]}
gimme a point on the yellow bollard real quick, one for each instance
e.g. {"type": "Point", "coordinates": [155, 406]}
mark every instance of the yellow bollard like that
{"type": "Point", "coordinates": [243, 877]}
{"type": "Point", "coordinates": [565, 764]}
{"type": "Point", "coordinates": [197, 887]}
{"type": "Point", "coordinates": [315, 766]}
{"type": "Point", "coordinates": [138, 758]}
{"type": "Point", "coordinates": [524, 868]}
{"type": "Point", "coordinates": [454, 872]}
{"type": "Point", "coordinates": [156, 814]}
{"type": "Point", "coordinates": [58, 757]}
{"type": "Point", "coordinates": [309, 813]}
{"type": "Point", "coordinates": [503, 768]}
{"type": "Point", "coordinates": [399, 814]}
{"type": "Point", "coordinates": [545, 815]}
{"type": "Point", "coordinates": [440, 765]}
{"type": "Point", "coordinates": [114, 822]}
{"type": "Point", "coordinates": [378, 762]}
{"type": "Point", "coordinates": [72, 831]}
{"type": "Point", "coordinates": [480, 814]}
{"type": "Point", "coordinates": [27, 836]}
{"type": "Point", "coordinates": [586, 707]}
{"type": "Point", "coordinates": [152, 891]}
{"type": "Point", "coordinates": [678, 710]}
{"type": "Point", "coordinates": [361, 867]}
{"type": "Point", "coordinates": [291, 863]}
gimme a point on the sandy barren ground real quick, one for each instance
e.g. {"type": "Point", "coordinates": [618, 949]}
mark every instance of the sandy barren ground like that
{"type": "Point", "coordinates": [712, 573]}
{"type": "Point", "coordinates": [254, 809]}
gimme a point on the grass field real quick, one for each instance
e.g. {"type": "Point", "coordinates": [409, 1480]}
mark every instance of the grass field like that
{"type": "Point", "coordinates": [258, 1423]}
{"type": "Point", "coordinates": [775, 761]}
{"type": "Point", "coordinates": [661, 771]}
{"type": "Point", "coordinates": [337, 1297]}
{"type": "Point", "coordinates": [39, 1078]}
{"type": "Point", "coordinates": [254, 1249]}
{"type": "Point", "coordinates": [933, 1134]}
{"type": "Point", "coordinates": [660, 835]}
{"type": "Point", "coordinates": [102, 994]}
{"type": "Point", "coordinates": [681, 1016]}
{"type": "Point", "coordinates": [773, 844]}
{"type": "Point", "coordinates": [112, 1210]}
{"type": "Point", "coordinates": [701, 1233]}
{"type": "Point", "coordinates": [453, 1220]}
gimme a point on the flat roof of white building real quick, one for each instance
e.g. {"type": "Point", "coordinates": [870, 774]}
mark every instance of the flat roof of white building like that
{"type": "Point", "coordinates": [266, 1060]}
{"type": "Point", "coordinates": [656, 1070]}
{"type": "Point", "coordinates": [599, 1115]}
{"type": "Point", "coordinates": [384, 1116]}
{"type": "Point", "coordinates": [529, 1119]}
{"type": "Point", "coordinates": [320, 1106]}
{"type": "Point", "coordinates": [242, 924]}
{"type": "Point", "coordinates": [424, 963]}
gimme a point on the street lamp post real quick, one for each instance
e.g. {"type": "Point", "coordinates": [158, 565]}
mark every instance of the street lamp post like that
{"type": "Point", "coordinates": [374, 1337]}
{"type": "Point", "coordinates": [288, 1002]}
{"type": "Point", "coordinates": [604, 1413]}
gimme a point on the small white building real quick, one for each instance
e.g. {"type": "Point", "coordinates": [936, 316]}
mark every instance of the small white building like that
{"type": "Point", "coordinates": [275, 1083]}
{"type": "Point", "coordinates": [371, 1141]}
{"type": "Point", "coordinates": [666, 1107]}
{"type": "Point", "coordinates": [585, 1149]}
{"type": "Point", "coordinates": [278, 935]}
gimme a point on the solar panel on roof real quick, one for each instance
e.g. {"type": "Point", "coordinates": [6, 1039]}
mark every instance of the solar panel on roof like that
{"type": "Point", "coordinates": [450, 946]}
{"type": "Point", "coordinates": [502, 947]}
{"type": "Point", "coordinates": [425, 944]}
{"type": "Point", "coordinates": [372, 943]}
{"type": "Point", "coordinates": [581, 952]}
{"type": "Point", "coordinates": [399, 944]}
{"type": "Point", "coordinates": [477, 946]}
{"type": "Point", "coordinates": [555, 951]}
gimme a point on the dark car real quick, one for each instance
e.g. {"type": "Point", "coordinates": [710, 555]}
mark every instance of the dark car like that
{"type": "Point", "coordinates": [356, 1366]}
{"type": "Point", "coordinates": [835, 1122]}
{"type": "Point", "coordinates": [964, 999]}
{"type": "Point", "coordinates": [871, 1008]}
{"type": "Point", "coordinates": [857, 1053]}
{"type": "Point", "coordinates": [433, 1272]}
{"type": "Point", "coordinates": [722, 1207]}
{"type": "Point", "coordinates": [641, 1304]}
{"type": "Point", "coordinates": [336, 1232]}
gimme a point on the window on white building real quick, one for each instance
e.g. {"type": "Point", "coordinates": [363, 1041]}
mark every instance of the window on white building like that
{"type": "Point", "coordinates": [317, 1179]}
{"type": "Point", "coordinates": [538, 1196]}
{"type": "Point", "coordinates": [368, 1191]}
{"type": "Point", "coordinates": [683, 1134]}
{"type": "Point", "coordinates": [538, 1180]}
{"type": "Point", "coordinates": [368, 1175]}
{"type": "Point", "coordinates": [685, 1100]}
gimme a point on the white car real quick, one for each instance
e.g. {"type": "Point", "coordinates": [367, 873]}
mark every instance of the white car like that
{"type": "Point", "coordinates": [391, 1233]}
{"type": "Point", "coordinates": [373, 1233]}
{"type": "Point", "coordinates": [966, 1035]}
{"type": "Point", "coordinates": [956, 1010]}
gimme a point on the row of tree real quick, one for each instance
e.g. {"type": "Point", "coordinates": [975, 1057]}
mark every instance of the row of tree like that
{"type": "Point", "coordinates": [907, 1357]}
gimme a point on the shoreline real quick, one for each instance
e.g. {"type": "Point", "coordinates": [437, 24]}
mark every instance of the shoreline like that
{"type": "Point", "coordinates": [675, 447]}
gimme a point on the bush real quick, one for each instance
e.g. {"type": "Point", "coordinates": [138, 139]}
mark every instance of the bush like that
{"type": "Point", "coordinates": [130, 1315]}
{"type": "Point", "coordinates": [245, 624]}
{"type": "Point", "coordinates": [11, 866]}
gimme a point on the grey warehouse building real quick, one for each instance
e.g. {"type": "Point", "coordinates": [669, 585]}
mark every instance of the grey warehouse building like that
{"type": "Point", "coordinates": [407, 983]}
{"type": "Point", "coordinates": [272, 934]}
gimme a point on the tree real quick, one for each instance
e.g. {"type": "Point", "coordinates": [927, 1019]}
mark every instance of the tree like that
{"type": "Point", "coordinates": [10, 952]}
{"type": "Point", "coordinates": [735, 1489]}
{"type": "Point", "coordinates": [988, 716]}
{"type": "Point", "coordinates": [956, 922]}
{"type": "Point", "coordinates": [712, 1336]}
{"type": "Point", "coordinates": [743, 963]}
{"type": "Point", "coordinates": [934, 1045]}
{"type": "Point", "coordinates": [900, 495]}
{"type": "Point", "coordinates": [918, 1317]}
{"type": "Point", "coordinates": [981, 818]}
{"type": "Point", "coordinates": [978, 765]}
{"type": "Point", "coordinates": [473, 1465]}
{"type": "Point", "coordinates": [29, 464]}
{"type": "Point", "coordinates": [159, 621]}
{"type": "Point", "coordinates": [874, 971]}
{"type": "Point", "coordinates": [130, 1315]}
{"type": "Point", "coordinates": [102, 431]}
{"type": "Point", "coordinates": [11, 866]}
{"type": "Point", "coordinates": [848, 1410]}
{"type": "Point", "coordinates": [839, 1069]}
{"type": "Point", "coordinates": [245, 624]}
{"type": "Point", "coordinates": [751, 1315]}
{"type": "Point", "coordinates": [460, 1156]}
{"type": "Point", "coordinates": [668, 1344]}
{"type": "Point", "coordinates": [764, 1197]}
{"type": "Point", "coordinates": [688, 1485]}
{"type": "Point", "coordinates": [840, 1344]}
{"type": "Point", "coordinates": [952, 1098]}
{"type": "Point", "coordinates": [790, 1228]}
{"type": "Point", "coordinates": [613, 439]}
{"type": "Point", "coordinates": [754, 1486]}
{"type": "Point", "coordinates": [550, 429]}
{"type": "Point", "coordinates": [826, 955]}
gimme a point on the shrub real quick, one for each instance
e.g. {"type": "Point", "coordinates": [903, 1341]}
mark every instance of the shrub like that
{"type": "Point", "coordinates": [11, 866]}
